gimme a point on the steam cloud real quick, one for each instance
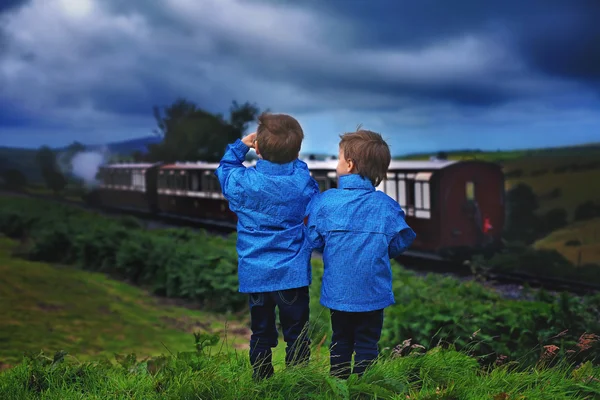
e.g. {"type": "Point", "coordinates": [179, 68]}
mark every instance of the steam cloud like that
{"type": "Point", "coordinates": [85, 165]}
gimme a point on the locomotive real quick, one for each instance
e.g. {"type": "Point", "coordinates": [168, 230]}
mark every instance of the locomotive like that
{"type": "Point", "coordinates": [455, 207]}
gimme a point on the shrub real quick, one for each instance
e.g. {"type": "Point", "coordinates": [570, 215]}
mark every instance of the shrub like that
{"type": "Point", "coordinates": [587, 210]}
{"type": "Point", "coordinates": [173, 262]}
{"type": "Point", "coordinates": [555, 219]}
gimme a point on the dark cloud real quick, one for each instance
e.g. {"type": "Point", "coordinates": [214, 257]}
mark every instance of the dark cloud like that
{"type": "Point", "coordinates": [565, 45]}
{"type": "Point", "coordinates": [6, 5]}
{"type": "Point", "coordinates": [555, 37]}
{"type": "Point", "coordinates": [114, 59]}
{"type": "Point", "coordinates": [13, 116]}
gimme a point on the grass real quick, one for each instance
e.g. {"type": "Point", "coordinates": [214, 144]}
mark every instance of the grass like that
{"type": "Point", "coordinates": [437, 374]}
{"type": "Point", "coordinates": [70, 193]}
{"type": "Point", "coordinates": [587, 233]}
{"type": "Point", "coordinates": [576, 188]}
{"type": "Point", "coordinates": [60, 308]}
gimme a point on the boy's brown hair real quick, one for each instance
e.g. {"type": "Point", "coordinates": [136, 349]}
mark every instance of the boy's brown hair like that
{"type": "Point", "coordinates": [369, 152]}
{"type": "Point", "coordinates": [279, 137]}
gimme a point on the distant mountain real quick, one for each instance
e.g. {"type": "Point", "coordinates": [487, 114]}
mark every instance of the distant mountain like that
{"type": "Point", "coordinates": [127, 147]}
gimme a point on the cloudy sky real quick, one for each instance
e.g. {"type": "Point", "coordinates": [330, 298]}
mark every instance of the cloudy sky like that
{"type": "Point", "coordinates": [427, 74]}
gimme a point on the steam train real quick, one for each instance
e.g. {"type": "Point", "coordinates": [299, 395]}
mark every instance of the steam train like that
{"type": "Point", "coordinates": [455, 207]}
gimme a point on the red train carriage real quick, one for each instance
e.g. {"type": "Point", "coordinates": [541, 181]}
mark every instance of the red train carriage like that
{"type": "Point", "coordinates": [455, 207]}
{"type": "Point", "coordinates": [127, 186]}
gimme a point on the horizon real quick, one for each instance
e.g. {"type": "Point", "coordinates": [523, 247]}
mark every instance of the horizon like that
{"type": "Point", "coordinates": [306, 153]}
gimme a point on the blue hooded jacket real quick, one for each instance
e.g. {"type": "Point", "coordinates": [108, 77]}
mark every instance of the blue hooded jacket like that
{"type": "Point", "coordinates": [270, 201]}
{"type": "Point", "coordinates": [358, 229]}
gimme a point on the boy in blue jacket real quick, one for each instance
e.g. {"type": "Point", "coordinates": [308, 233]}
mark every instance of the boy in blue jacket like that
{"type": "Point", "coordinates": [358, 229]}
{"type": "Point", "coordinates": [270, 201]}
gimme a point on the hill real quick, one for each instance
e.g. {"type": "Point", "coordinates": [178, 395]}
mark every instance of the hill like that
{"type": "Point", "coordinates": [126, 147]}
{"type": "Point", "coordinates": [59, 308]}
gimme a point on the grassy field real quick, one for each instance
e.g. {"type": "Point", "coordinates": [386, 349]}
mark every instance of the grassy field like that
{"type": "Point", "coordinates": [575, 179]}
{"type": "Point", "coordinates": [53, 308]}
{"type": "Point", "coordinates": [586, 233]}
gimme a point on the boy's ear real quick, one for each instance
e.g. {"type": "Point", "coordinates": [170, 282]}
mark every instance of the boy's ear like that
{"type": "Point", "coordinates": [350, 164]}
{"type": "Point", "coordinates": [256, 148]}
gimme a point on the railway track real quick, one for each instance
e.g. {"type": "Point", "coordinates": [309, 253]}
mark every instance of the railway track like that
{"type": "Point", "coordinates": [412, 260]}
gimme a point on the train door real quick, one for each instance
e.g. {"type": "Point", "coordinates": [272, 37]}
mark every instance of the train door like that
{"type": "Point", "coordinates": [473, 205]}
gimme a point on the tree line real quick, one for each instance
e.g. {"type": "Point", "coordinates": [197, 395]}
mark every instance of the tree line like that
{"type": "Point", "coordinates": [187, 132]}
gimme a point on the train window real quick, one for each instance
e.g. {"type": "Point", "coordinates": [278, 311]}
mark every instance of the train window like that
{"type": "Point", "coordinates": [162, 180]}
{"type": "Point", "coordinates": [422, 196]}
{"type": "Point", "coordinates": [322, 183]}
{"type": "Point", "coordinates": [210, 183]}
{"type": "Point", "coordinates": [390, 186]}
{"type": "Point", "coordinates": [426, 200]}
{"type": "Point", "coordinates": [402, 192]}
{"type": "Point", "coordinates": [194, 182]}
{"type": "Point", "coordinates": [332, 181]}
{"type": "Point", "coordinates": [418, 195]}
{"type": "Point", "coordinates": [138, 180]}
{"type": "Point", "coordinates": [470, 191]}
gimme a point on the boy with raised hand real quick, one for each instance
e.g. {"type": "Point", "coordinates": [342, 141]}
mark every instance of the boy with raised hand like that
{"type": "Point", "coordinates": [358, 229]}
{"type": "Point", "coordinates": [270, 201]}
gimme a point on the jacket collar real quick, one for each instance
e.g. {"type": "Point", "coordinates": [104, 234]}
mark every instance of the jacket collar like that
{"type": "Point", "coordinates": [355, 181]}
{"type": "Point", "coordinates": [271, 168]}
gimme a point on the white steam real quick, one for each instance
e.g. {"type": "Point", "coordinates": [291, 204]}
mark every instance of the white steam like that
{"type": "Point", "coordinates": [85, 165]}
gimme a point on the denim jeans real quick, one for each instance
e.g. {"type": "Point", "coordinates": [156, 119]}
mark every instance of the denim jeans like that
{"type": "Point", "coordinates": [354, 332]}
{"type": "Point", "coordinates": [293, 307]}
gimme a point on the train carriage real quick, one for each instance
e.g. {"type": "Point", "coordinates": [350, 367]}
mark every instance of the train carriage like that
{"type": "Point", "coordinates": [455, 207]}
{"type": "Point", "coordinates": [191, 190]}
{"type": "Point", "coordinates": [127, 187]}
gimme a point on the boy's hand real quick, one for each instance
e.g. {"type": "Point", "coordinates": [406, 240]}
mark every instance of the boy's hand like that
{"type": "Point", "coordinates": [249, 140]}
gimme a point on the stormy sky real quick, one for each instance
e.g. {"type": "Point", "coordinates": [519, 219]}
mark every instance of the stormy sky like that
{"type": "Point", "coordinates": [427, 74]}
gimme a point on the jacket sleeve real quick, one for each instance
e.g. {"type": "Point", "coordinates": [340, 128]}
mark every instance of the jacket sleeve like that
{"type": "Point", "coordinates": [404, 235]}
{"type": "Point", "coordinates": [313, 186]}
{"type": "Point", "coordinates": [313, 234]}
{"type": "Point", "coordinates": [231, 170]}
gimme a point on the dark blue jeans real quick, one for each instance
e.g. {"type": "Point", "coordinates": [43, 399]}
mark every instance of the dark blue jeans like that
{"type": "Point", "coordinates": [293, 314]}
{"type": "Point", "coordinates": [354, 332]}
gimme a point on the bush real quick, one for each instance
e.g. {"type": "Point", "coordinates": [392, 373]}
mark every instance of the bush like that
{"type": "Point", "coordinates": [587, 210]}
{"type": "Point", "coordinates": [468, 316]}
{"type": "Point", "coordinates": [555, 219]}
{"type": "Point", "coordinates": [174, 262]}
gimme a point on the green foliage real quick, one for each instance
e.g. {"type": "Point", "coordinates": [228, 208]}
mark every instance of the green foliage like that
{"type": "Point", "coordinates": [555, 219]}
{"type": "Point", "coordinates": [587, 210]}
{"type": "Point", "coordinates": [50, 171]}
{"type": "Point", "coordinates": [181, 263]}
{"type": "Point", "coordinates": [522, 224]}
{"type": "Point", "coordinates": [438, 374]}
{"type": "Point", "coordinates": [190, 133]}
{"type": "Point", "coordinates": [13, 179]}
{"type": "Point", "coordinates": [467, 315]}
{"type": "Point", "coordinates": [540, 262]}
{"type": "Point", "coordinates": [175, 263]}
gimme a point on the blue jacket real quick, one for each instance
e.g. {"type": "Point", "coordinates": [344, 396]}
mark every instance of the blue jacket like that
{"type": "Point", "coordinates": [358, 229]}
{"type": "Point", "coordinates": [270, 201]}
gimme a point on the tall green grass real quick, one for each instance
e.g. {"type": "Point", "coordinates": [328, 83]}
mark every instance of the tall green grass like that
{"type": "Point", "coordinates": [212, 374]}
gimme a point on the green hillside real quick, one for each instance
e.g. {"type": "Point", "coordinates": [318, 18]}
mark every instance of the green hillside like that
{"type": "Point", "coordinates": [52, 308]}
